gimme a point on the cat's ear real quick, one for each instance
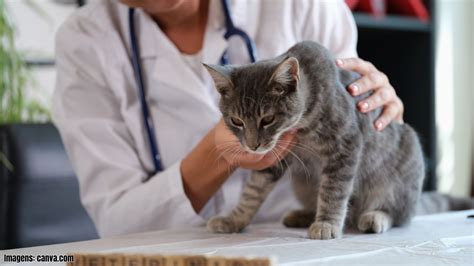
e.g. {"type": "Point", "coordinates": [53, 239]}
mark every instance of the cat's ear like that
{"type": "Point", "coordinates": [221, 77]}
{"type": "Point", "coordinates": [287, 73]}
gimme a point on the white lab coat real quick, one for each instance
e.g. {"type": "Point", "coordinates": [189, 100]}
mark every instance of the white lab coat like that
{"type": "Point", "coordinates": [97, 111]}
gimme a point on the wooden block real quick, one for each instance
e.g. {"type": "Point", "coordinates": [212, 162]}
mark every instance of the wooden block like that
{"type": "Point", "coordinates": [159, 260]}
{"type": "Point", "coordinates": [195, 261]}
{"type": "Point", "coordinates": [216, 261]}
{"type": "Point", "coordinates": [78, 260]}
{"type": "Point", "coordinates": [134, 260]}
{"type": "Point", "coordinates": [174, 261]}
{"type": "Point", "coordinates": [260, 262]}
{"type": "Point", "coordinates": [94, 260]}
{"type": "Point", "coordinates": [154, 260]}
{"type": "Point", "coordinates": [114, 260]}
{"type": "Point", "coordinates": [237, 262]}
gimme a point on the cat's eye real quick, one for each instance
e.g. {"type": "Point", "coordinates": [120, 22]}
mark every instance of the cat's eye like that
{"type": "Point", "coordinates": [279, 90]}
{"type": "Point", "coordinates": [237, 122]}
{"type": "Point", "coordinates": [267, 120]}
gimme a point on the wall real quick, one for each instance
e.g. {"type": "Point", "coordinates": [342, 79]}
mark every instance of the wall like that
{"type": "Point", "coordinates": [454, 97]}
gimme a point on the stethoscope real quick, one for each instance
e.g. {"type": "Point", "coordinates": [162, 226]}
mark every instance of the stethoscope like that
{"type": "Point", "coordinates": [231, 30]}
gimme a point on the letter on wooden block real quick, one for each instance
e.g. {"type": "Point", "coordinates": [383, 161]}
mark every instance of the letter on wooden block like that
{"type": "Point", "coordinates": [134, 260]}
{"type": "Point", "coordinates": [94, 260]}
{"type": "Point", "coordinates": [114, 260]}
{"type": "Point", "coordinates": [154, 260]}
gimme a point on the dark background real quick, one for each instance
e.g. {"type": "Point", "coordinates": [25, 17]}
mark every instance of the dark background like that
{"type": "Point", "coordinates": [403, 48]}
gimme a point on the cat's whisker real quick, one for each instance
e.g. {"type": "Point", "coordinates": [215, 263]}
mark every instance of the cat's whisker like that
{"type": "Point", "coordinates": [282, 158]}
{"type": "Point", "coordinates": [235, 155]}
{"type": "Point", "coordinates": [278, 158]}
{"type": "Point", "coordinates": [233, 151]}
{"type": "Point", "coordinates": [228, 144]}
{"type": "Point", "coordinates": [223, 147]}
{"type": "Point", "coordinates": [224, 151]}
{"type": "Point", "coordinates": [228, 141]}
{"type": "Point", "coordinates": [297, 145]}
{"type": "Point", "coordinates": [288, 168]}
{"type": "Point", "coordinates": [308, 176]}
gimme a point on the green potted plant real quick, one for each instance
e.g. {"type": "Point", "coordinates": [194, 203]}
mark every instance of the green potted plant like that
{"type": "Point", "coordinates": [15, 79]}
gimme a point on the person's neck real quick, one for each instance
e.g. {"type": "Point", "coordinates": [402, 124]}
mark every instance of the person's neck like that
{"type": "Point", "coordinates": [185, 25]}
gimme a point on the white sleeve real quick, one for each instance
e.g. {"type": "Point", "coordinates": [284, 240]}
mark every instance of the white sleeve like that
{"type": "Point", "coordinates": [101, 148]}
{"type": "Point", "coordinates": [332, 24]}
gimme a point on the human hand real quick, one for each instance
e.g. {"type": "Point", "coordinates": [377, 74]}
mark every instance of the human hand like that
{"type": "Point", "coordinates": [229, 148]}
{"type": "Point", "coordinates": [384, 94]}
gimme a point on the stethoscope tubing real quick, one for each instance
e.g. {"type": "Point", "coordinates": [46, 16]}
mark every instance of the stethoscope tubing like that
{"type": "Point", "coordinates": [141, 93]}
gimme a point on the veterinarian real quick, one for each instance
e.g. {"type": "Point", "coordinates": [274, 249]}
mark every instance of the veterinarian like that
{"type": "Point", "coordinates": [161, 159]}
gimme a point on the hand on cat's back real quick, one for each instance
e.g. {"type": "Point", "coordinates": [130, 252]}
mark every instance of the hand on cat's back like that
{"type": "Point", "coordinates": [229, 148]}
{"type": "Point", "coordinates": [384, 94]}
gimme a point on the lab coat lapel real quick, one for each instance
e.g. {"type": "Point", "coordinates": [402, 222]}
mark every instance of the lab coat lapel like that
{"type": "Point", "coordinates": [169, 67]}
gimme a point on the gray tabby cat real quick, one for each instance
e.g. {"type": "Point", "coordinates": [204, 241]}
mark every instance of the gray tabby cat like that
{"type": "Point", "coordinates": [344, 172]}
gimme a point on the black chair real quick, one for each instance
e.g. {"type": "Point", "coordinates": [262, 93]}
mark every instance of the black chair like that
{"type": "Point", "coordinates": [39, 199]}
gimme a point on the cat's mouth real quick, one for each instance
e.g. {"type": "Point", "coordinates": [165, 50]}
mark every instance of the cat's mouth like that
{"type": "Point", "coordinates": [261, 150]}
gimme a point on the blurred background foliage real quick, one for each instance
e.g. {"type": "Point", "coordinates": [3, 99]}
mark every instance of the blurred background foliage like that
{"type": "Point", "coordinates": [15, 104]}
{"type": "Point", "coordinates": [15, 77]}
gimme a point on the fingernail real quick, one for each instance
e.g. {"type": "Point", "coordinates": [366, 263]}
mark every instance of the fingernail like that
{"type": "Point", "coordinates": [364, 106]}
{"type": "Point", "coordinates": [378, 125]}
{"type": "Point", "coordinates": [339, 62]}
{"type": "Point", "coordinates": [354, 88]}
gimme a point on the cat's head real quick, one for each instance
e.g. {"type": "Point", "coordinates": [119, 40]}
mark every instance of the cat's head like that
{"type": "Point", "coordinates": [259, 101]}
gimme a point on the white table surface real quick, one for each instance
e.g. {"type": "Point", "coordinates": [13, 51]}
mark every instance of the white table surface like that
{"type": "Point", "coordinates": [441, 239]}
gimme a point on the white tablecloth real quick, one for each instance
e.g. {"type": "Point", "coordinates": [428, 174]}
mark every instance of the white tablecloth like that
{"type": "Point", "coordinates": [441, 239]}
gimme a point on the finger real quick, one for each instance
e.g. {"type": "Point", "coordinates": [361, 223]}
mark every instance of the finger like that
{"type": "Point", "coordinates": [401, 110]}
{"type": "Point", "coordinates": [287, 141]}
{"type": "Point", "coordinates": [288, 136]}
{"type": "Point", "coordinates": [356, 64]}
{"type": "Point", "coordinates": [389, 113]}
{"type": "Point", "coordinates": [282, 148]}
{"type": "Point", "coordinates": [270, 159]}
{"type": "Point", "coordinates": [368, 82]}
{"type": "Point", "coordinates": [251, 157]}
{"type": "Point", "coordinates": [380, 97]}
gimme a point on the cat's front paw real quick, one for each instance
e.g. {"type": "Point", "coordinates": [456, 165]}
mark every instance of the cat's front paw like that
{"type": "Point", "coordinates": [224, 224]}
{"type": "Point", "coordinates": [324, 230]}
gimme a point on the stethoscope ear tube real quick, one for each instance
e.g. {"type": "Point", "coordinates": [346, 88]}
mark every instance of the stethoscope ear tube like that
{"type": "Point", "coordinates": [141, 93]}
{"type": "Point", "coordinates": [232, 30]}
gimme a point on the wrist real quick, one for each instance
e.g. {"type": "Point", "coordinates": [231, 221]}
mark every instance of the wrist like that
{"type": "Point", "coordinates": [203, 171]}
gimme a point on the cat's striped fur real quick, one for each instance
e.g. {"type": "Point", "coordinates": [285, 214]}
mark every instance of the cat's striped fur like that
{"type": "Point", "coordinates": [344, 172]}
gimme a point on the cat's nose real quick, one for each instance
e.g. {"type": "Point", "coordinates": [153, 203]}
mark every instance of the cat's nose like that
{"type": "Point", "coordinates": [253, 147]}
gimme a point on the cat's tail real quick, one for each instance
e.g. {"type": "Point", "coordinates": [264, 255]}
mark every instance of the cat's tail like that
{"type": "Point", "coordinates": [434, 202]}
